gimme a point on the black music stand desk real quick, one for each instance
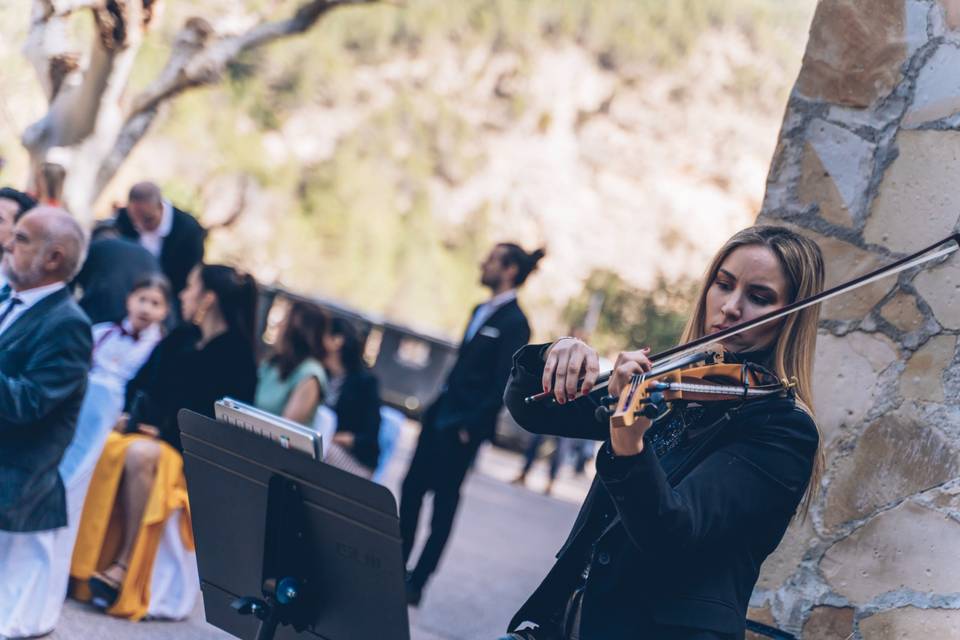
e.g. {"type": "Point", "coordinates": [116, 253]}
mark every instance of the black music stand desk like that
{"type": "Point", "coordinates": [304, 549]}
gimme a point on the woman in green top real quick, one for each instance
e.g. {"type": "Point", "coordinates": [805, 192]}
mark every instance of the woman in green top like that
{"type": "Point", "coordinates": [292, 382]}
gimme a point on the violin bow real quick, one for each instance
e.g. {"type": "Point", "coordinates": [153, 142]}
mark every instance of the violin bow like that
{"type": "Point", "coordinates": [913, 260]}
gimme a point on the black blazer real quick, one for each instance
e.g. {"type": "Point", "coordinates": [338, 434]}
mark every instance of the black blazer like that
{"type": "Point", "coordinates": [44, 358]}
{"type": "Point", "coordinates": [473, 393]}
{"type": "Point", "coordinates": [358, 412]}
{"type": "Point", "coordinates": [683, 536]}
{"type": "Point", "coordinates": [112, 267]}
{"type": "Point", "coordinates": [182, 250]}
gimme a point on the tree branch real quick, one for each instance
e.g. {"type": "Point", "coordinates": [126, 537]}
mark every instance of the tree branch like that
{"type": "Point", "coordinates": [64, 8]}
{"type": "Point", "coordinates": [47, 41]}
{"type": "Point", "coordinates": [78, 99]}
{"type": "Point", "coordinates": [204, 57]}
{"type": "Point", "coordinates": [198, 58]}
{"type": "Point", "coordinates": [130, 134]}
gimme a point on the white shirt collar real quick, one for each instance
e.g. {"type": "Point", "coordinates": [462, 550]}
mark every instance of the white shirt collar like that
{"type": "Point", "coordinates": [502, 298]}
{"type": "Point", "coordinates": [152, 241]}
{"type": "Point", "coordinates": [166, 220]}
{"type": "Point", "coordinates": [31, 297]}
{"type": "Point", "coordinates": [149, 333]}
{"type": "Point", "coordinates": [27, 298]}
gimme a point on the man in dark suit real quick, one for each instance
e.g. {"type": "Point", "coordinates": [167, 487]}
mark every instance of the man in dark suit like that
{"type": "Point", "coordinates": [465, 413]}
{"type": "Point", "coordinates": [112, 267]}
{"type": "Point", "coordinates": [173, 236]}
{"type": "Point", "coordinates": [45, 348]}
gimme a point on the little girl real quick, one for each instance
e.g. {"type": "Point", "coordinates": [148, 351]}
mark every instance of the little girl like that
{"type": "Point", "coordinates": [119, 350]}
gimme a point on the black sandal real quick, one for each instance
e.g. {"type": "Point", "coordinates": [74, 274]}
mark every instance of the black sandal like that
{"type": "Point", "coordinates": [105, 589]}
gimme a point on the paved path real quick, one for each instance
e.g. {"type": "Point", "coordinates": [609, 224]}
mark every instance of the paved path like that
{"type": "Point", "coordinates": [502, 545]}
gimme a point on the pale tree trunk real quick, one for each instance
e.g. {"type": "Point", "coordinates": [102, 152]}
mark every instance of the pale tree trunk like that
{"type": "Point", "coordinates": [90, 128]}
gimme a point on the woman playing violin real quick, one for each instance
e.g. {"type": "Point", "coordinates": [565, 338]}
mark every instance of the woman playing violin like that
{"type": "Point", "coordinates": [685, 507]}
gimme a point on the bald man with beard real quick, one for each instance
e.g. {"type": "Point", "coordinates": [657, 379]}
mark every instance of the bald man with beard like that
{"type": "Point", "coordinates": [45, 349]}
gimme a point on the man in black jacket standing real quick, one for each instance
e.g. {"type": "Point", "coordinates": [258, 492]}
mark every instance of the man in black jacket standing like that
{"type": "Point", "coordinates": [45, 348]}
{"type": "Point", "coordinates": [465, 413]}
{"type": "Point", "coordinates": [173, 236]}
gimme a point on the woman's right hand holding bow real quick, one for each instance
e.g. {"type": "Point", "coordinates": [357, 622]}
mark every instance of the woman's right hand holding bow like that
{"type": "Point", "coordinates": [565, 363]}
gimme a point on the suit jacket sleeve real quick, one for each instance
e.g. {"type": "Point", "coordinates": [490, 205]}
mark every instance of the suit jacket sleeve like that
{"type": "Point", "coordinates": [574, 419]}
{"type": "Point", "coordinates": [56, 369]}
{"type": "Point", "coordinates": [513, 336]}
{"type": "Point", "coordinates": [747, 487]}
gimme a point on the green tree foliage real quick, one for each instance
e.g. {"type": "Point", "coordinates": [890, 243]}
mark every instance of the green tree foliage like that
{"type": "Point", "coordinates": [631, 318]}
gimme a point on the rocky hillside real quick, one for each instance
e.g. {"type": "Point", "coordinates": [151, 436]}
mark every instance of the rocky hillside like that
{"type": "Point", "coordinates": [375, 159]}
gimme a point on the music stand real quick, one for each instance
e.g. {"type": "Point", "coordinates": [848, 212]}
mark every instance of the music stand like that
{"type": "Point", "coordinates": [305, 549]}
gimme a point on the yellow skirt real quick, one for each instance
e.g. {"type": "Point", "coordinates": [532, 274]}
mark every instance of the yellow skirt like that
{"type": "Point", "coordinates": [101, 525]}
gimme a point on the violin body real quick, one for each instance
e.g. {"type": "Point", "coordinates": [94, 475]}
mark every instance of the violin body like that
{"type": "Point", "coordinates": [711, 379]}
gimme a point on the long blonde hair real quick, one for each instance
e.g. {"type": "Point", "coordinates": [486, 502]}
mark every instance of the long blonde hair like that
{"type": "Point", "coordinates": [793, 351]}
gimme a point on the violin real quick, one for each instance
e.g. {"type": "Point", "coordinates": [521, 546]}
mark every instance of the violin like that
{"type": "Point", "coordinates": [674, 376]}
{"type": "Point", "coordinates": [701, 377]}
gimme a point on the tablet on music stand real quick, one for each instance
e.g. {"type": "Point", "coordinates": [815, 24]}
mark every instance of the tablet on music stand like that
{"type": "Point", "coordinates": [304, 549]}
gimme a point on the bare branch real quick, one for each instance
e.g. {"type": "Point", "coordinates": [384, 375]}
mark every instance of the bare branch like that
{"type": "Point", "coordinates": [133, 130]}
{"type": "Point", "coordinates": [64, 8]}
{"type": "Point", "coordinates": [47, 40]}
{"type": "Point", "coordinates": [199, 58]}
{"type": "Point", "coordinates": [78, 98]}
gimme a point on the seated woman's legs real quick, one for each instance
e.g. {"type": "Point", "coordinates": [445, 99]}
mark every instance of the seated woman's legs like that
{"type": "Point", "coordinates": [139, 474]}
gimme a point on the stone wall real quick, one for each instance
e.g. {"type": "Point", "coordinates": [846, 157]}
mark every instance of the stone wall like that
{"type": "Point", "coordinates": [868, 164]}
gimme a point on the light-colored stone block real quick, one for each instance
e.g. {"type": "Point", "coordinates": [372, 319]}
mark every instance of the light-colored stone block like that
{"type": "Point", "coordinates": [829, 623]}
{"type": "Point", "coordinates": [916, 12]}
{"type": "Point", "coordinates": [762, 615]}
{"type": "Point", "coordinates": [846, 160]}
{"type": "Point", "coordinates": [845, 375]}
{"type": "Point", "coordinates": [938, 88]}
{"type": "Point", "coordinates": [895, 457]}
{"type": "Point", "coordinates": [818, 187]}
{"type": "Point", "coordinates": [951, 12]}
{"type": "Point", "coordinates": [922, 380]}
{"type": "Point", "coordinates": [940, 288]}
{"type": "Point", "coordinates": [845, 261]}
{"type": "Point", "coordinates": [911, 623]}
{"type": "Point", "coordinates": [909, 547]}
{"type": "Point", "coordinates": [918, 202]}
{"type": "Point", "coordinates": [902, 312]}
{"type": "Point", "coordinates": [855, 51]}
